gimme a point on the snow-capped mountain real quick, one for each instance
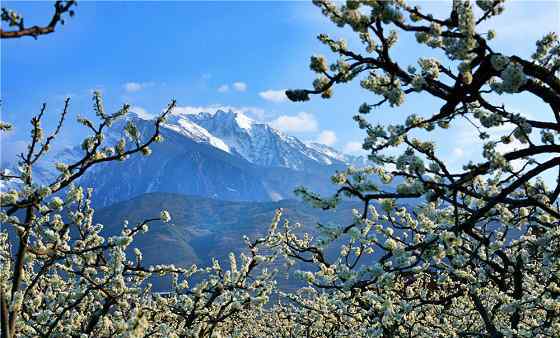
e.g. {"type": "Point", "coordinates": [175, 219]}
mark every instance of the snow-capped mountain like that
{"type": "Point", "coordinates": [259, 143]}
{"type": "Point", "coordinates": [223, 155]}
{"type": "Point", "coordinates": [186, 127]}
{"type": "Point", "coordinates": [335, 154]}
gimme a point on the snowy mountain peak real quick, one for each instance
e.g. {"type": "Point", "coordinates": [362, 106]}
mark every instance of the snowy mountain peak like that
{"type": "Point", "coordinates": [259, 143]}
{"type": "Point", "coordinates": [241, 120]}
{"type": "Point", "coordinates": [235, 133]}
{"type": "Point", "coordinates": [182, 125]}
{"type": "Point", "coordinates": [228, 122]}
{"type": "Point", "coordinates": [327, 150]}
{"type": "Point", "coordinates": [216, 149]}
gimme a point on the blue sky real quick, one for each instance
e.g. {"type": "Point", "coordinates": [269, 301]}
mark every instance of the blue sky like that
{"type": "Point", "coordinates": [208, 54]}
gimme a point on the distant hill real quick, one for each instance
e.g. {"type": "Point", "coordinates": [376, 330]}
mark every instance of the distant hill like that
{"type": "Point", "coordinates": [205, 228]}
{"type": "Point", "coordinates": [202, 228]}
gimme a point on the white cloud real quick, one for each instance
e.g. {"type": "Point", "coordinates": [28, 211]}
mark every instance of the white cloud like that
{"type": "Point", "coordinates": [223, 88]}
{"type": "Point", "coordinates": [237, 86]}
{"type": "Point", "coordinates": [274, 95]}
{"type": "Point", "coordinates": [240, 86]}
{"type": "Point", "coordinates": [327, 137]}
{"type": "Point", "coordinates": [133, 87]}
{"type": "Point", "coordinates": [275, 196]}
{"type": "Point", "coordinates": [302, 122]}
{"type": "Point", "coordinates": [142, 113]}
{"type": "Point", "coordinates": [354, 148]}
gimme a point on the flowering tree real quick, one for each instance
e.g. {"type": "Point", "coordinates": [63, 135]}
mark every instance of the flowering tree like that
{"type": "Point", "coordinates": [61, 277]}
{"type": "Point", "coordinates": [441, 251]}
{"type": "Point", "coordinates": [41, 243]}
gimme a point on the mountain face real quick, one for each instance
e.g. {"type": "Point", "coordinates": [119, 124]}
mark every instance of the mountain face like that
{"type": "Point", "coordinates": [178, 165]}
{"type": "Point", "coordinates": [222, 155]}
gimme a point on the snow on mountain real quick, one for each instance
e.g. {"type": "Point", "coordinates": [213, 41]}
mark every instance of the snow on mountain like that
{"type": "Point", "coordinates": [184, 126]}
{"type": "Point", "coordinates": [263, 145]}
{"type": "Point", "coordinates": [359, 161]}
{"type": "Point", "coordinates": [328, 151]}
{"type": "Point", "coordinates": [222, 155]}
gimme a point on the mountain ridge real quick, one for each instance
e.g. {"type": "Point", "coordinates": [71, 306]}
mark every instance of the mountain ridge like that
{"type": "Point", "coordinates": [223, 155]}
{"type": "Point", "coordinates": [259, 142]}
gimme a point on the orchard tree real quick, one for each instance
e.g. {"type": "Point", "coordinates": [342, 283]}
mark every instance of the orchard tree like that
{"type": "Point", "coordinates": [39, 243]}
{"type": "Point", "coordinates": [438, 250]}
{"type": "Point", "coordinates": [61, 277]}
